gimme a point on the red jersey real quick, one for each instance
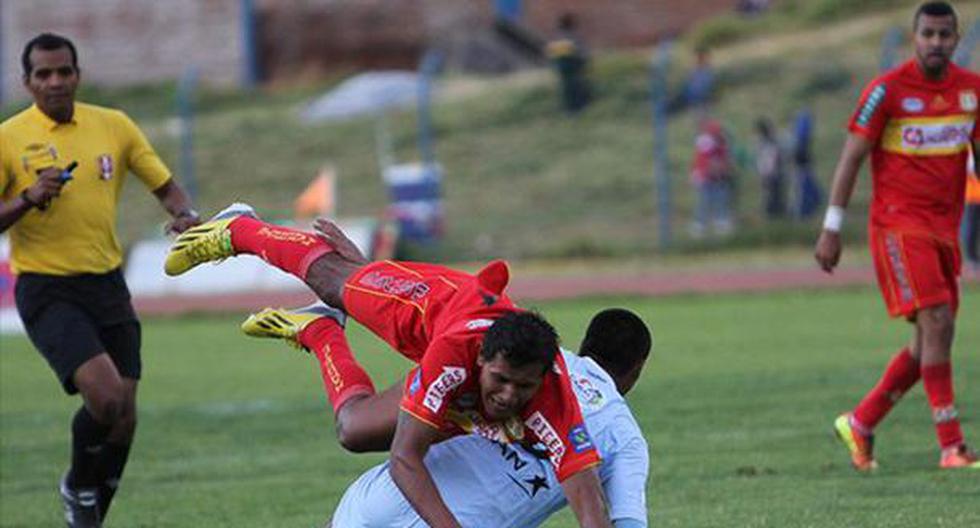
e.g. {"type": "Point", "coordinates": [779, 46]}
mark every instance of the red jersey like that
{"type": "Point", "coordinates": [437, 317]}
{"type": "Point", "coordinates": [921, 130]}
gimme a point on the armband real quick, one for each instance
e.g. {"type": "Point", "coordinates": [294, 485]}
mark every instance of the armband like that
{"type": "Point", "coordinates": [834, 219]}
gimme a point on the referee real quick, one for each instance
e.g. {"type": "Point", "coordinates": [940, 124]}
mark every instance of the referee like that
{"type": "Point", "coordinates": [63, 167]}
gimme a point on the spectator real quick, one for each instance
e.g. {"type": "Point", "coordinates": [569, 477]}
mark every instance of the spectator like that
{"type": "Point", "coordinates": [769, 165]}
{"type": "Point", "coordinates": [700, 85]}
{"type": "Point", "coordinates": [808, 195]}
{"type": "Point", "coordinates": [571, 60]}
{"type": "Point", "coordinates": [711, 175]}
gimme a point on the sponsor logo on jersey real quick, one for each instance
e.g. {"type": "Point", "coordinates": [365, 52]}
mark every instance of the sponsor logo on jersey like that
{"type": "Point", "coordinates": [588, 393]}
{"type": "Point", "coordinates": [472, 422]}
{"type": "Point", "coordinates": [105, 166]}
{"type": "Point", "coordinates": [399, 286]}
{"type": "Point", "coordinates": [450, 378]}
{"type": "Point", "coordinates": [928, 135]}
{"type": "Point", "coordinates": [968, 100]}
{"type": "Point", "coordinates": [39, 156]}
{"type": "Point", "coordinates": [913, 104]}
{"type": "Point", "coordinates": [546, 435]}
{"type": "Point", "coordinates": [416, 382]}
{"type": "Point", "coordinates": [579, 438]}
{"type": "Point", "coordinates": [939, 103]}
{"type": "Point", "coordinates": [476, 324]}
{"type": "Point", "coordinates": [874, 99]}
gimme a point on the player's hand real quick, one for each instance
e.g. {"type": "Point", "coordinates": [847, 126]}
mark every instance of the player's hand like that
{"type": "Point", "coordinates": [182, 222]}
{"type": "Point", "coordinates": [828, 250]}
{"type": "Point", "coordinates": [342, 245]}
{"type": "Point", "coordinates": [47, 186]}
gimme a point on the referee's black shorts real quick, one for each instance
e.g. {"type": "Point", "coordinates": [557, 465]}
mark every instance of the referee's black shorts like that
{"type": "Point", "coordinates": [71, 319]}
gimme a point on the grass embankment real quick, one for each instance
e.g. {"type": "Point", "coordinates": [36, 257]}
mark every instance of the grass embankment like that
{"type": "Point", "coordinates": [521, 179]}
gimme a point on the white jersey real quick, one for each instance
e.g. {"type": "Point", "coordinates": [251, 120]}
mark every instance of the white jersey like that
{"type": "Point", "coordinates": [486, 484]}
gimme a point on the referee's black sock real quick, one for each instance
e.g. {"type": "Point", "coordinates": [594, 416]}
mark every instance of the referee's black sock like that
{"type": "Point", "coordinates": [87, 444]}
{"type": "Point", "coordinates": [114, 457]}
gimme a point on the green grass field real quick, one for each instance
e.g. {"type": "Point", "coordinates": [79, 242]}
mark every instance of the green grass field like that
{"type": "Point", "coordinates": [736, 403]}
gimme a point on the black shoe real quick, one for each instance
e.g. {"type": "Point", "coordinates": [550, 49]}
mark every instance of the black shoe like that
{"type": "Point", "coordinates": [81, 506]}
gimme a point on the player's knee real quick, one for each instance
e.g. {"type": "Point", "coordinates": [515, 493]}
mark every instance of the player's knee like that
{"type": "Point", "coordinates": [938, 319]}
{"type": "Point", "coordinates": [107, 409]}
{"type": "Point", "coordinates": [125, 427]}
{"type": "Point", "coordinates": [349, 437]}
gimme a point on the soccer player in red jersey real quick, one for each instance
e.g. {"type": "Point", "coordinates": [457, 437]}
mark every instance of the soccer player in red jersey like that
{"type": "Point", "coordinates": [918, 122]}
{"type": "Point", "coordinates": [484, 365]}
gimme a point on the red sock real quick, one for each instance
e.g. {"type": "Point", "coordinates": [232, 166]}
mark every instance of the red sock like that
{"type": "Point", "coordinates": [900, 375]}
{"type": "Point", "coordinates": [938, 382]}
{"type": "Point", "coordinates": [343, 377]}
{"type": "Point", "coordinates": [290, 250]}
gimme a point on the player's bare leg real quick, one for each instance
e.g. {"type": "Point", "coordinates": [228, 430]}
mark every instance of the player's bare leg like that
{"type": "Point", "coordinates": [366, 423]}
{"type": "Point", "coordinates": [327, 274]}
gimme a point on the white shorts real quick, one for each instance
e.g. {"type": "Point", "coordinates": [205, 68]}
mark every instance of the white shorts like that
{"type": "Point", "coordinates": [374, 501]}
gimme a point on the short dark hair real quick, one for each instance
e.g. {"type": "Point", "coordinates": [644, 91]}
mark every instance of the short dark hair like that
{"type": "Point", "coordinates": [521, 338]}
{"type": "Point", "coordinates": [47, 42]}
{"type": "Point", "coordinates": [618, 340]}
{"type": "Point", "coordinates": [936, 9]}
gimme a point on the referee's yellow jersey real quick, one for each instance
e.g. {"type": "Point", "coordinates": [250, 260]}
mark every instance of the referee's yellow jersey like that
{"type": "Point", "coordinates": [77, 233]}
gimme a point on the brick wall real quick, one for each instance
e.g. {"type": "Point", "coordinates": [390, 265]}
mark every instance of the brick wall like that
{"type": "Point", "coordinates": [127, 41]}
{"type": "Point", "coordinates": [134, 41]}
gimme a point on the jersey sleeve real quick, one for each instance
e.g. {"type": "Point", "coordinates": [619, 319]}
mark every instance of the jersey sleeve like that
{"type": "Point", "coordinates": [555, 419]}
{"type": "Point", "coordinates": [6, 170]}
{"type": "Point", "coordinates": [431, 386]}
{"type": "Point", "coordinates": [627, 483]}
{"type": "Point", "coordinates": [871, 115]}
{"type": "Point", "coordinates": [143, 161]}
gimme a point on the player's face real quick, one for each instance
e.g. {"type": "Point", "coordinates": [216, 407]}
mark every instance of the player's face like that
{"type": "Point", "coordinates": [53, 81]}
{"type": "Point", "coordinates": [935, 41]}
{"type": "Point", "coordinates": [506, 389]}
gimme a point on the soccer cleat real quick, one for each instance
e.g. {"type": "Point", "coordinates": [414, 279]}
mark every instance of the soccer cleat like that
{"type": "Point", "coordinates": [81, 506]}
{"type": "Point", "coordinates": [287, 324]}
{"type": "Point", "coordinates": [859, 446]}
{"type": "Point", "coordinates": [960, 456]}
{"type": "Point", "coordinates": [207, 242]}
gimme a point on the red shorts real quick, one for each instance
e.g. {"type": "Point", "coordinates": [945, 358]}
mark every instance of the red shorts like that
{"type": "Point", "coordinates": [915, 271]}
{"type": "Point", "coordinates": [401, 302]}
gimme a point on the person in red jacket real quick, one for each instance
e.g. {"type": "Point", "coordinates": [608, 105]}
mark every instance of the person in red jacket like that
{"type": "Point", "coordinates": [918, 122]}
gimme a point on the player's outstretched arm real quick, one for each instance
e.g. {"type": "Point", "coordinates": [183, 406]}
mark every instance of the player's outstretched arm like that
{"type": "Point", "coordinates": [828, 247]}
{"type": "Point", "coordinates": [412, 440]}
{"type": "Point", "coordinates": [584, 493]}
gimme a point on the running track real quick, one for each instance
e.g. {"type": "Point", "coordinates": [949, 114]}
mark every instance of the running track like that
{"type": "Point", "coordinates": [539, 286]}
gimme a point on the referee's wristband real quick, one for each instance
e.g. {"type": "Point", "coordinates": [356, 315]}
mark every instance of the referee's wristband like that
{"type": "Point", "coordinates": [834, 219]}
{"type": "Point", "coordinates": [28, 201]}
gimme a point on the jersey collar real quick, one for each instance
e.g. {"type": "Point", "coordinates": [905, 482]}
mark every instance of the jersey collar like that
{"type": "Point", "coordinates": [914, 72]}
{"type": "Point", "coordinates": [49, 123]}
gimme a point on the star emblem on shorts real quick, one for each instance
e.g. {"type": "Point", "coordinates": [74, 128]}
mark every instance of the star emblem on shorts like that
{"type": "Point", "coordinates": [537, 483]}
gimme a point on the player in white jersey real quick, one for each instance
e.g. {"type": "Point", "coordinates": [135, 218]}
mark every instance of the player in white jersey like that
{"type": "Point", "coordinates": [486, 484]}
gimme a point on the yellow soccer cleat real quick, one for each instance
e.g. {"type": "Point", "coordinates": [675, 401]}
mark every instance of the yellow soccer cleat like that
{"type": "Point", "coordinates": [208, 242]}
{"type": "Point", "coordinates": [960, 456]}
{"type": "Point", "coordinates": [280, 323]}
{"type": "Point", "coordinates": [859, 446]}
